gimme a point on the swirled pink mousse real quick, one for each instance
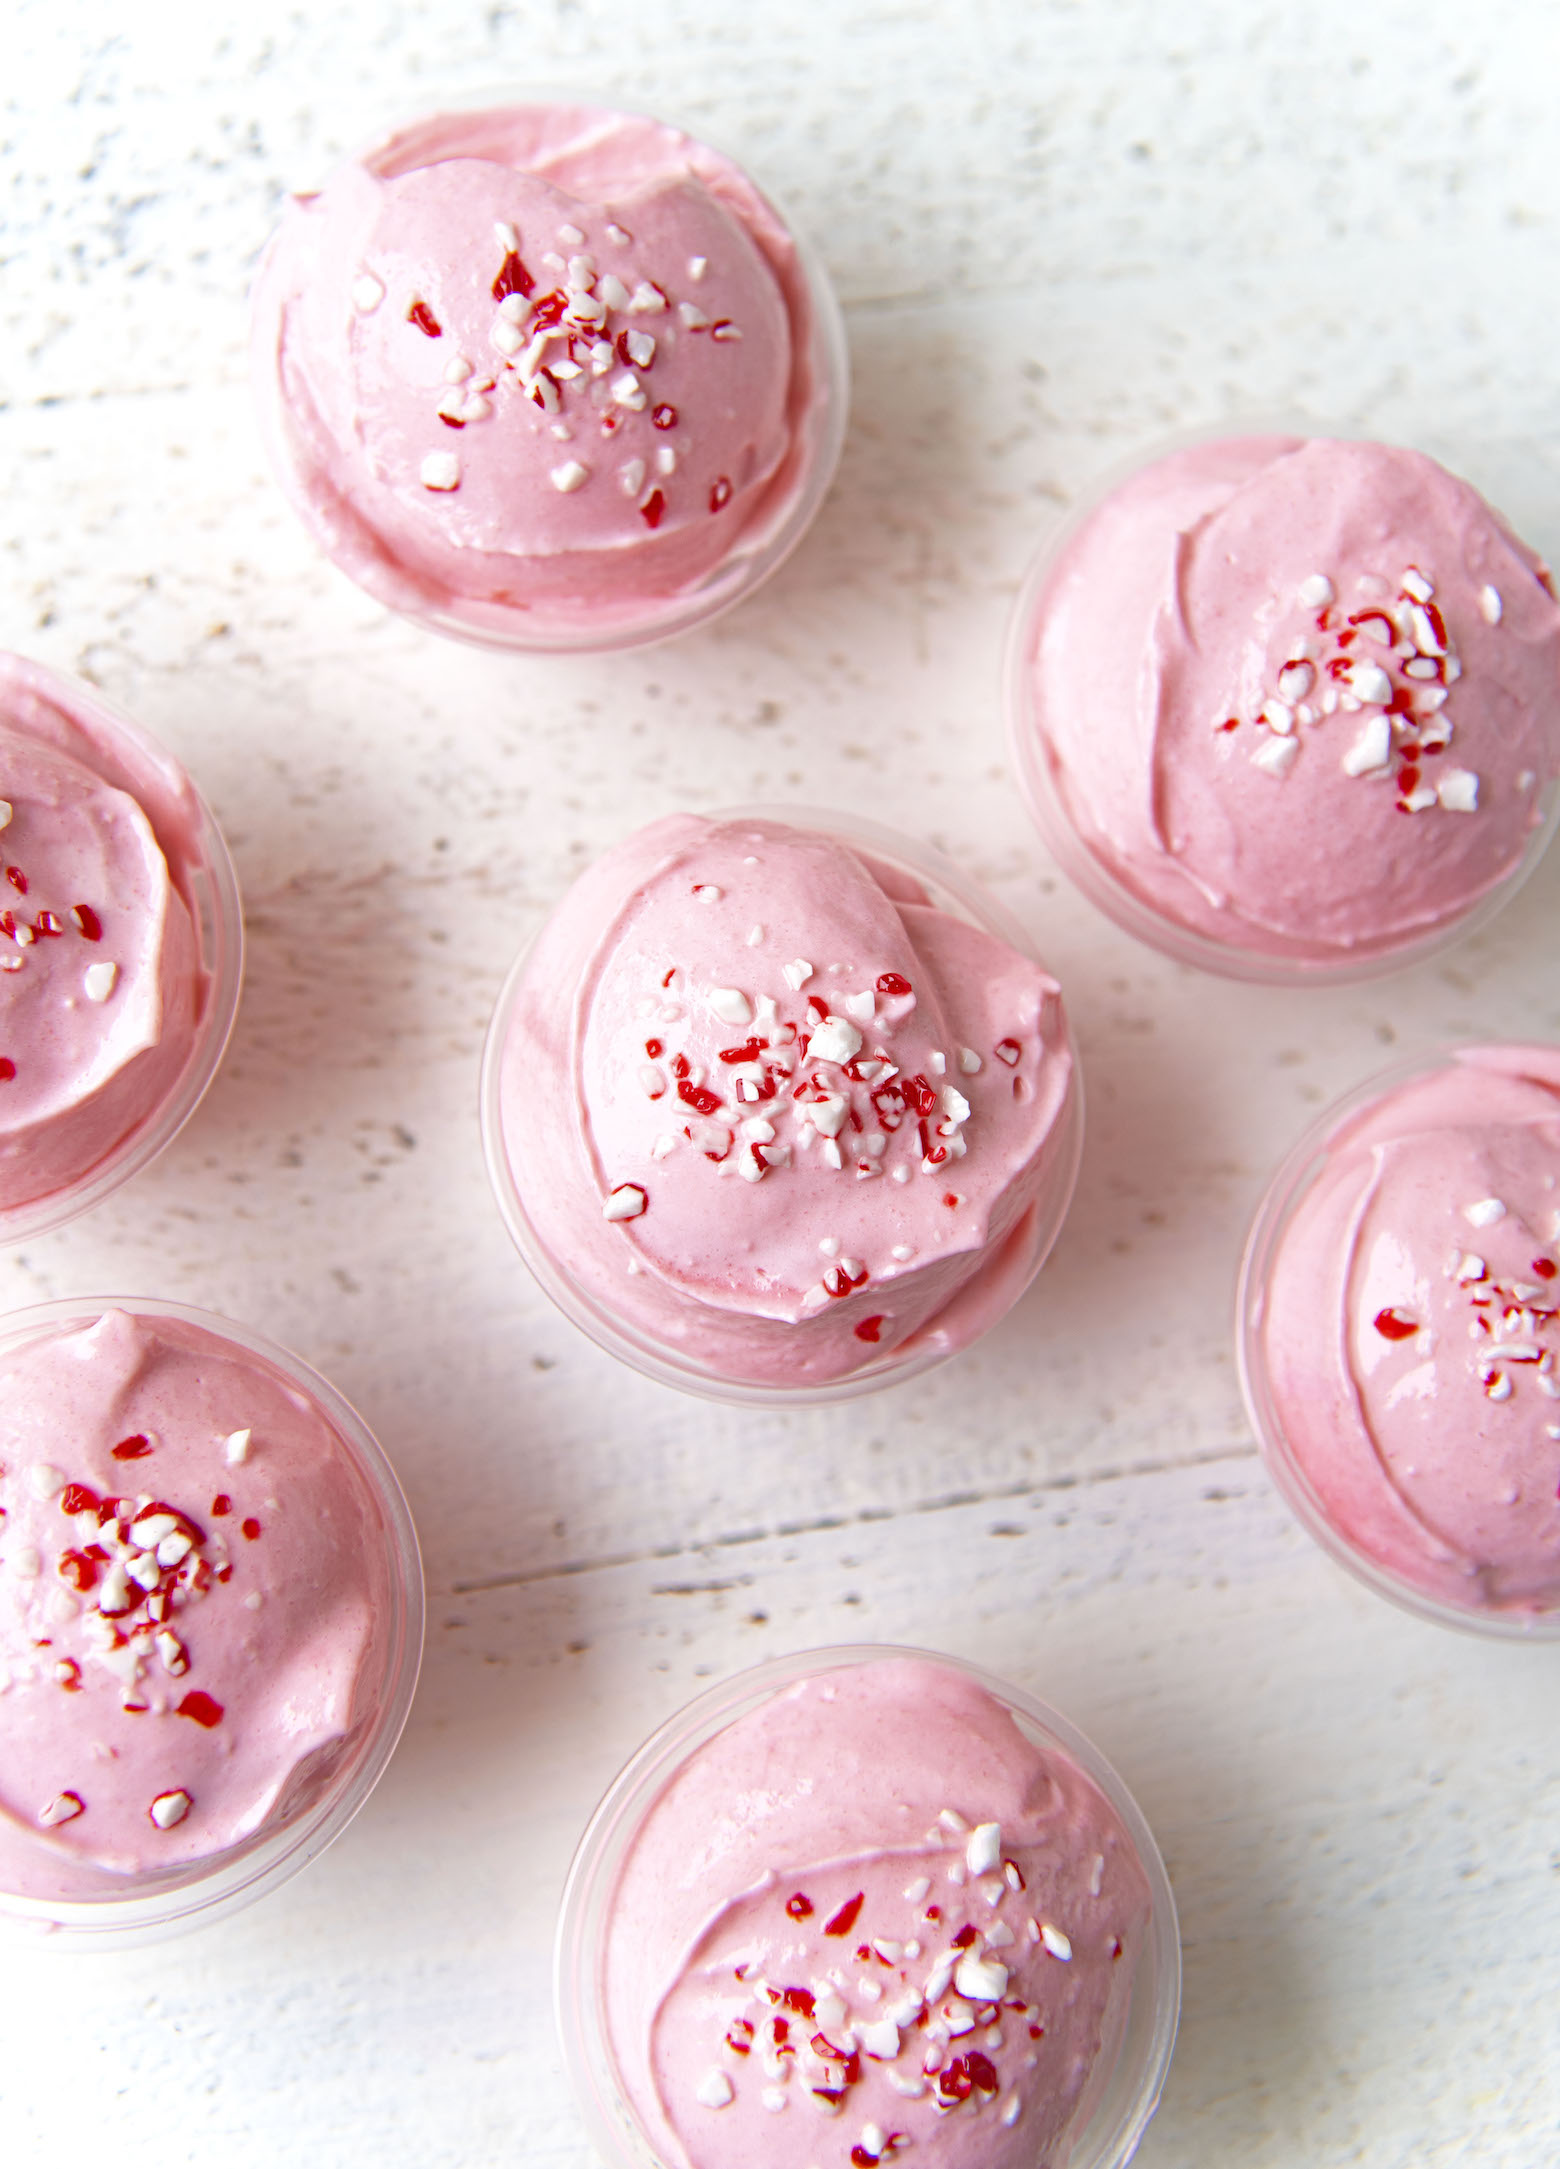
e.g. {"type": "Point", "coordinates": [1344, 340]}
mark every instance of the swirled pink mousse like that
{"type": "Point", "coordinates": [193, 1583]}
{"type": "Point", "coordinates": [777, 1112]}
{"type": "Point", "coordinates": [102, 988]}
{"type": "Point", "coordinates": [1412, 1331]}
{"type": "Point", "coordinates": [1300, 695]}
{"type": "Point", "coordinates": [871, 1921]}
{"type": "Point", "coordinates": [544, 359]}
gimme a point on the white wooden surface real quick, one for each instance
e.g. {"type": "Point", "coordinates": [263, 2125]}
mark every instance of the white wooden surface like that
{"type": "Point", "coordinates": [1058, 230]}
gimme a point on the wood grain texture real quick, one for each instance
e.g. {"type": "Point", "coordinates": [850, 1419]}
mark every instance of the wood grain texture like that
{"type": "Point", "coordinates": [1059, 231]}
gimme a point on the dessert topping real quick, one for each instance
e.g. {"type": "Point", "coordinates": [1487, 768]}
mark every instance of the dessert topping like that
{"type": "Point", "coordinates": [559, 349]}
{"type": "Point", "coordinates": [1394, 663]}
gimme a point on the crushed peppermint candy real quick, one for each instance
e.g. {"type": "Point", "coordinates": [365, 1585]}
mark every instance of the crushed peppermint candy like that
{"type": "Point", "coordinates": [569, 340]}
{"type": "Point", "coordinates": [626, 1202]}
{"type": "Point", "coordinates": [1392, 662]}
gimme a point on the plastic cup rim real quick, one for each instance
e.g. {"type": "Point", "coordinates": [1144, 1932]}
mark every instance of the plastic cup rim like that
{"type": "Point", "coordinates": [618, 1817]}
{"type": "Point", "coordinates": [238, 1877]}
{"type": "Point", "coordinates": [221, 945]}
{"type": "Point", "coordinates": [1098, 882]}
{"type": "Point", "coordinates": [1294, 1176]}
{"type": "Point", "coordinates": [748, 566]}
{"type": "Point", "coordinates": [653, 1359]}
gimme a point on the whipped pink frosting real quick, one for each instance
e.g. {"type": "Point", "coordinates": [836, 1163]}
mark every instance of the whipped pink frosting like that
{"type": "Point", "coordinates": [777, 1112]}
{"type": "Point", "coordinates": [1300, 696]}
{"type": "Point", "coordinates": [102, 986]}
{"type": "Point", "coordinates": [194, 1583]}
{"type": "Point", "coordinates": [1412, 1331]}
{"type": "Point", "coordinates": [873, 1897]}
{"type": "Point", "coordinates": [545, 361]}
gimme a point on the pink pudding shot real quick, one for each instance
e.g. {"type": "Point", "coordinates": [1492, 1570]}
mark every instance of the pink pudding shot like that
{"type": "Point", "coordinates": [870, 1920]}
{"type": "Point", "coordinates": [548, 375]}
{"type": "Point", "coordinates": [206, 1609]}
{"type": "Point", "coordinates": [1290, 707]}
{"type": "Point", "coordinates": [120, 947]}
{"type": "Point", "coordinates": [1403, 1334]}
{"type": "Point", "coordinates": [762, 1113]}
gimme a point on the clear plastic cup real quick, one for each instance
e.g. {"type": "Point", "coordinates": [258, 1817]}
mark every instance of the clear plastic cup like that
{"type": "Point", "coordinates": [1117, 868]}
{"type": "Point", "coordinates": [1122, 2092]}
{"type": "Point", "coordinates": [979, 1303]}
{"type": "Point", "coordinates": [77, 1901]}
{"type": "Point", "coordinates": [72, 1161]}
{"type": "Point", "coordinates": [519, 605]}
{"type": "Point", "coordinates": [1366, 1509]}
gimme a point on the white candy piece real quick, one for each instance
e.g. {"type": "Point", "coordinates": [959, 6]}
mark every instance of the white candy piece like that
{"type": "Point", "coordinates": [1491, 608]}
{"type": "Point", "coordinates": [1485, 1213]}
{"type": "Point", "coordinates": [879, 2037]}
{"type": "Point", "coordinates": [1371, 683]}
{"type": "Point", "coordinates": [1276, 756]}
{"type": "Point", "coordinates": [1316, 592]}
{"type": "Point", "coordinates": [835, 1040]}
{"type": "Point", "coordinates": [44, 1480]}
{"type": "Point", "coordinates": [828, 1114]}
{"type": "Point", "coordinates": [984, 1850]}
{"type": "Point", "coordinates": [730, 1005]}
{"type": "Point", "coordinates": [1055, 1942]}
{"type": "Point", "coordinates": [1458, 791]}
{"type": "Point", "coordinates": [440, 471]}
{"type": "Point", "coordinates": [796, 974]}
{"type": "Point", "coordinates": [568, 478]}
{"type": "Point", "coordinates": [170, 1808]}
{"type": "Point", "coordinates": [982, 1980]}
{"type": "Point", "coordinates": [1372, 750]}
{"type": "Point", "coordinates": [626, 1202]}
{"type": "Point", "coordinates": [714, 2090]}
{"type": "Point", "coordinates": [235, 1447]}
